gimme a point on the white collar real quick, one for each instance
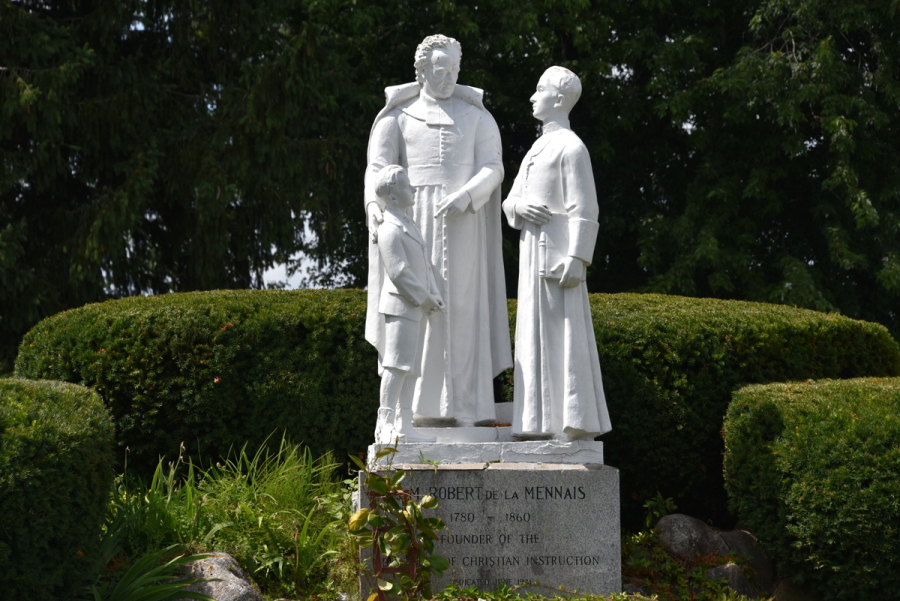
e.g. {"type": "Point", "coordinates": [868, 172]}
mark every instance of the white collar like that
{"type": "Point", "coordinates": [435, 111]}
{"type": "Point", "coordinates": [549, 128]}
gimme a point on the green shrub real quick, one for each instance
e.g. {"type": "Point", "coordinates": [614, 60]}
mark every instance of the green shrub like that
{"type": "Point", "coordinates": [221, 369]}
{"type": "Point", "coordinates": [813, 468]}
{"type": "Point", "coordinates": [218, 370]}
{"type": "Point", "coordinates": [56, 476]}
{"type": "Point", "coordinates": [670, 365]}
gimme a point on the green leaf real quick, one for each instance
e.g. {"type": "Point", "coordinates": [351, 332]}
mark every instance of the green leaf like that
{"type": "Point", "coordinates": [401, 543]}
{"type": "Point", "coordinates": [439, 562]}
{"type": "Point", "coordinates": [359, 462]}
{"type": "Point", "coordinates": [385, 452]}
{"type": "Point", "coordinates": [397, 478]}
{"type": "Point", "coordinates": [378, 484]}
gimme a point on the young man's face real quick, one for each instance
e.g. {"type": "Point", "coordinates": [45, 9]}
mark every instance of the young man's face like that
{"type": "Point", "coordinates": [403, 192]}
{"type": "Point", "coordinates": [441, 73]}
{"type": "Point", "coordinates": [543, 101]}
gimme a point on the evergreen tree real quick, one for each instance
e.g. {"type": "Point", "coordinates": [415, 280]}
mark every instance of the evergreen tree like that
{"type": "Point", "coordinates": [741, 149]}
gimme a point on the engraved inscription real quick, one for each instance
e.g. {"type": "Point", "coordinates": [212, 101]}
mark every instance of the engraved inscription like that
{"type": "Point", "coordinates": [516, 527]}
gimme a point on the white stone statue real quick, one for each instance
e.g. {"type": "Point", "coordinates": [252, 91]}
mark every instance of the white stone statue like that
{"type": "Point", "coordinates": [558, 389]}
{"type": "Point", "coordinates": [408, 296]}
{"type": "Point", "coordinates": [450, 145]}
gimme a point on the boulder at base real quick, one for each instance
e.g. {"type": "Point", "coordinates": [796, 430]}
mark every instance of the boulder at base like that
{"type": "Point", "coordinates": [689, 538]}
{"type": "Point", "coordinates": [232, 583]}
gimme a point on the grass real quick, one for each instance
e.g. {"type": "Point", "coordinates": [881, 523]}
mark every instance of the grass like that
{"type": "Point", "coordinates": [275, 511]}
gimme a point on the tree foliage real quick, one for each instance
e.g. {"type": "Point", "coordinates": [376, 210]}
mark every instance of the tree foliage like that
{"type": "Point", "coordinates": [794, 194]}
{"type": "Point", "coordinates": [159, 146]}
{"type": "Point", "coordinates": [742, 149]}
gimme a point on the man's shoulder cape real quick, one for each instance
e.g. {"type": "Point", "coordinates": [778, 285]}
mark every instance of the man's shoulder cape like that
{"type": "Point", "coordinates": [394, 96]}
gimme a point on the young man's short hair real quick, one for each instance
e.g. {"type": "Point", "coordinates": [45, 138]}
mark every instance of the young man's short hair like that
{"type": "Point", "coordinates": [566, 83]}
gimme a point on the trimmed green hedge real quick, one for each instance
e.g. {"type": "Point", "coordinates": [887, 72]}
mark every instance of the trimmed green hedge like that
{"type": "Point", "coordinates": [670, 365]}
{"type": "Point", "coordinates": [56, 454]}
{"type": "Point", "coordinates": [228, 367]}
{"type": "Point", "coordinates": [218, 369]}
{"type": "Point", "coordinates": [813, 468]}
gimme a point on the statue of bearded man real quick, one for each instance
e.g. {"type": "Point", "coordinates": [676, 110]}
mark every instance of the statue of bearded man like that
{"type": "Point", "coordinates": [450, 146]}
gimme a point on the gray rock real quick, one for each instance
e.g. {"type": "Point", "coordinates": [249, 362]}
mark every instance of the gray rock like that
{"type": "Point", "coordinates": [634, 586]}
{"type": "Point", "coordinates": [734, 576]}
{"type": "Point", "coordinates": [233, 582]}
{"type": "Point", "coordinates": [688, 537]}
{"type": "Point", "coordinates": [743, 544]}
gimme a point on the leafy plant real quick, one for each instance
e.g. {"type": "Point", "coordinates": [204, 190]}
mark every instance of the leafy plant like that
{"type": "Point", "coordinates": [673, 578]}
{"type": "Point", "coordinates": [151, 579]}
{"type": "Point", "coordinates": [272, 510]}
{"type": "Point", "coordinates": [657, 508]}
{"type": "Point", "coordinates": [167, 511]}
{"type": "Point", "coordinates": [401, 537]}
{"type": "Point", "coordinates": [56, 454]}
{"type": "Point", "coordinates": [270, 507]}
{"type": "Point", "coordinates": [813, 469]}
{"type": "Point", "coordinates": [113, 577]}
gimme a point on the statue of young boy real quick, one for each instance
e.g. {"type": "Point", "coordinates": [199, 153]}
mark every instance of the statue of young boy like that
{"type": "Point", "coordinates": [558, 389]}
{"type": "Point", "coordinates": [407, 298]}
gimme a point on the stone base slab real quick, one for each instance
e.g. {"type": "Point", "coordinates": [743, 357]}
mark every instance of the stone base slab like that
{"type": "Point", "coordinates": [582, 452]}
{"type": "Point", "coordinates": [470, 434]}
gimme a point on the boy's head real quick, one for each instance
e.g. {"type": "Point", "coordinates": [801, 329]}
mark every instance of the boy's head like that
{"type": "Point", "coordinates": [392, 187]}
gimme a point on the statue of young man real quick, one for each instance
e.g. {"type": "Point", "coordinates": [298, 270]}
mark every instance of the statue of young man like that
{"type": "Point", "coordinates": [450, 145]}
{"type": "Point", "coordinates": [558, 388]}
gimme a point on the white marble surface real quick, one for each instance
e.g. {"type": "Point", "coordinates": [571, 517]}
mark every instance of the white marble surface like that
{"type": "Point", "coordinates": [450, 144]}
{"type": "Point", "coordinates": [408, 297]}
{"type": "Point", "coordinates": [469, 435]}
{"type": "Point", "coordinates": [553, 201]}
{"type": "Point", "coordinates": [584, 452]}
{"type": "Point", "coordinates": [466, 434]}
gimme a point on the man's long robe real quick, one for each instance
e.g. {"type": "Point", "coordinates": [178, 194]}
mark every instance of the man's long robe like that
{"type": "Point", "coordinates": [558, 385]}
{"type": "Point", "coordinates": [448, 146]}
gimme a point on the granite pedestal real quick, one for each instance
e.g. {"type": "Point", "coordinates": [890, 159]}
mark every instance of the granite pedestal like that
{"type": "Point", "coordinates": [553, 519]}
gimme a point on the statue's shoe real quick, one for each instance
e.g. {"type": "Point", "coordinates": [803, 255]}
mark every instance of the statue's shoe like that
{"type": "Point", "coordinates": [573, 434]}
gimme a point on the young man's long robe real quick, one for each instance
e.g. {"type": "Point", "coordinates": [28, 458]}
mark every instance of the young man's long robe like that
{"type": "Point", "coordinates": [558, 386]}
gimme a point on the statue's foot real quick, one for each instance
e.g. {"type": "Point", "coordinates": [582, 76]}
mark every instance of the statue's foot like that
{"type": "Point", "coordinates": [412, 435]}
{"type": "Point", "coordinates": [385, 433]}
{"type": "Point", "coordinates": [465, 422]}
{"type": "Point", "coordinates": [572, 434]}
